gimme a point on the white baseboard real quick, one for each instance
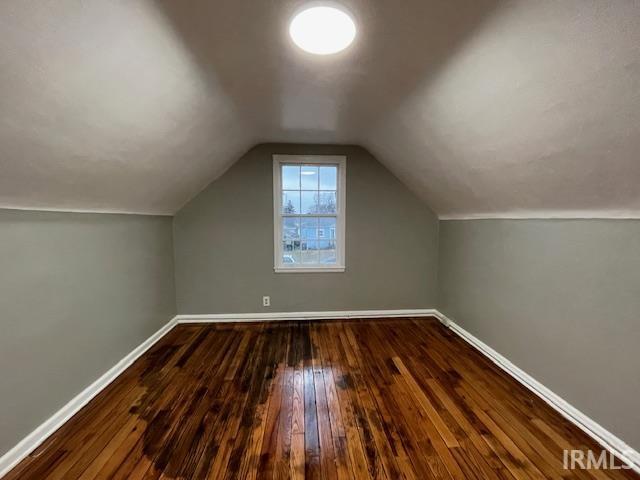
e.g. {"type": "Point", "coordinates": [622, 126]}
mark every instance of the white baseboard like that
{"type": "Point", "coordinates": [592, 428]}
{"type": "Point", "coordinates": [604, 437]}
{"type": "Point", "coordinates": [40, 434]}
{"type": "Point", "coordinates": [269, 316]}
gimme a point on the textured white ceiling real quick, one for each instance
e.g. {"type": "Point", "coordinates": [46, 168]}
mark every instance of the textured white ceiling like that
{"type": "Point", "coordinates": [482, 107]}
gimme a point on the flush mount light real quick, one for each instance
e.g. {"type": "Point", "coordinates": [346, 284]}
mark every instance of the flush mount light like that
{"type": "Point", "coordinates": [322, 29]}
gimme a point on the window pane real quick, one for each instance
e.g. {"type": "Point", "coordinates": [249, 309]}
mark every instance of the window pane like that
{"type": "Point", "coordinates": [327, 252]}
{"type": "Point", "coordinates": [326, 202]}
{"type": "Point", "coordinates": [310, 253]}
{"type": "Point", "coordinates": [291, 253]}
{"type": "Point", "coordinates": [290, 202]}
{"type": "Point", "coordinates": [310, 202]}
{"type": "Point", "coordinates": [309, 177]}
{"type": "Point", "coordinates": [309, 245]}
{"type": "Point", "coordinates": [327, 226]}
{"type": "Point", "coordinates": [290, 228]}
{"type": "Point", "coordinates": [290, 177]}
{"type": "Point", "coordinates": [329, 178]}
{"type": "Point", "coordinates": [309, 227]}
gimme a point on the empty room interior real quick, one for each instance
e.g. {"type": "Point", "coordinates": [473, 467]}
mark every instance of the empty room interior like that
{"type": "Point", "coordinates": [299, 239]}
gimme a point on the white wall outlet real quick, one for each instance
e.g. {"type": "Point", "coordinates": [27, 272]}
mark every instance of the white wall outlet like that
{"type": "Point", "coordinates": [266, 301]}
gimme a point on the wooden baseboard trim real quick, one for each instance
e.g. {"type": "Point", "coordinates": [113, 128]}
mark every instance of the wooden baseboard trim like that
{"type": "Point", "coordinates": [40, 434]}
{"type": "Point", "coordinates": [604, 437]}
{"type": "Point", "coordinates": [608, 440]}
{"type": "Point", "coordinates": [283, 316]}
{"type": "Point", "coordinates": [32, 441]}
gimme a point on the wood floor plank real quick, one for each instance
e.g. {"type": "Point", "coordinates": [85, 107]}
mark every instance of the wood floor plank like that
{"type": "Point", "coordinates": [354, 390]}
{"type": "Point", "coordinates": [269, 451]}
{"type": "Point", "coordinates": [365, 399]}
{"type": "Point", "coordinates": [311, 434]}
{"type": "Point", "coordinates": [355, 449]}
{"type": "Point", "coordinates": [327, 454]}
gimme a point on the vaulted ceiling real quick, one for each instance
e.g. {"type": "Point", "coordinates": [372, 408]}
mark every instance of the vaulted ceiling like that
{"type": "Point", "coordinates": [482, 107]}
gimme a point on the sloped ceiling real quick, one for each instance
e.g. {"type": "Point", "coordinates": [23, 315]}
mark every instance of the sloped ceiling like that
{"type": "Point", "coordinates": [483, 108]}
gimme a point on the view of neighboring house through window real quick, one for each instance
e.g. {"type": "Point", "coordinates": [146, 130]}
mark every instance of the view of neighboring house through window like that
{"type": "Point", "coordinates": [309, 213]}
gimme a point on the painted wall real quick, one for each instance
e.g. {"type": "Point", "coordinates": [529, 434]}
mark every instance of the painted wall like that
{"type": "Point", "coordinates": [560, 299]}
{"type": "Point", "coordinates": [224, 243]}
{"type": "Point", "coordinates": [77, 293]}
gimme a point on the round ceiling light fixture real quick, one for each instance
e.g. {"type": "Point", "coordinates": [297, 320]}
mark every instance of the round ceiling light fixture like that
{"type": "Point", "coordinates": [322, 29]}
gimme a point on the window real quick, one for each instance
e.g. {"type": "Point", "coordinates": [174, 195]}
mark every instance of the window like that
{"type": "Point", "coordinates": [309, 213]}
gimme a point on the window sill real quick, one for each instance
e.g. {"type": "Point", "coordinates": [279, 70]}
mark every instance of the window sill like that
{"type": "Point", "coordinates": [309, 270]}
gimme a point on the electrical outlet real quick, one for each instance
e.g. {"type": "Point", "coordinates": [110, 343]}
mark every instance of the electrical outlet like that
{"type": "Point", "coordinates": [266, 301]}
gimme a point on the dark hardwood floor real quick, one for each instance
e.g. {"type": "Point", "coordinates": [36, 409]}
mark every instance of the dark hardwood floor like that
{"type": "Point", "coordinates": [396, 398]}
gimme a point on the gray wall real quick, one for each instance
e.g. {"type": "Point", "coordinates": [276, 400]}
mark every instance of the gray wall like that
{"type": "Point", "coordinates": [224, 243]}
{"type": "Point", "coordinates": [560, 299]}
{"type": "Point", "coordinates": [77, 293]}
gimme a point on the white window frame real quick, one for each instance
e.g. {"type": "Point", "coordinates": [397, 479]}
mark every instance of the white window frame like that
{"type": "Point", "coordinates": [341, 194]}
